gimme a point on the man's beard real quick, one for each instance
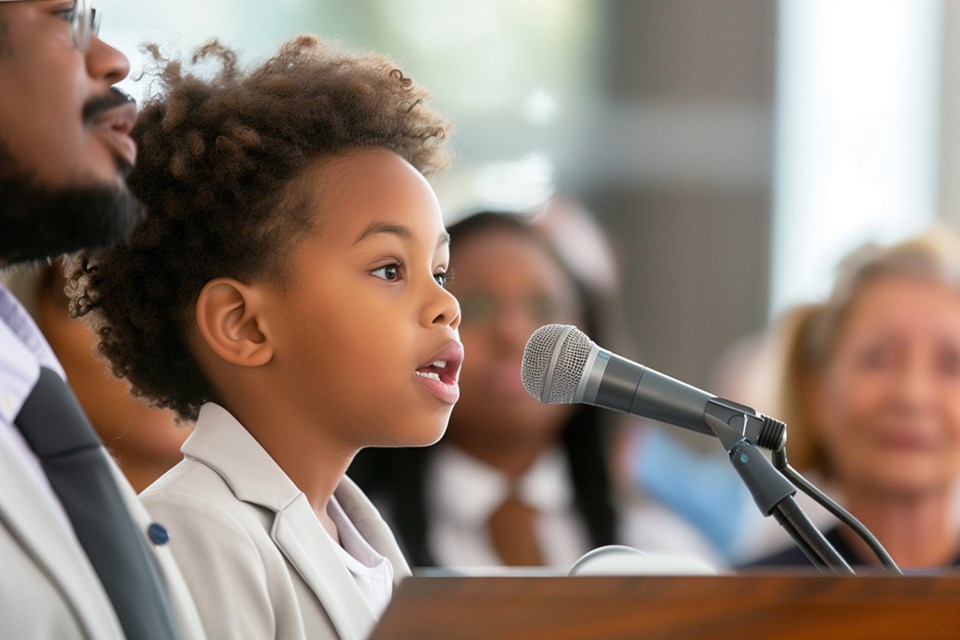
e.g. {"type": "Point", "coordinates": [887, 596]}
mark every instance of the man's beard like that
{"type": "Point", "coordinates": [38, 222]}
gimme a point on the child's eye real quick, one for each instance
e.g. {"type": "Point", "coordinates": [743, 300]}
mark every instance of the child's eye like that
{"type": "Point", "coordinates": [389, 272]}
{"type": "Point", "coordinates": [443, 278]}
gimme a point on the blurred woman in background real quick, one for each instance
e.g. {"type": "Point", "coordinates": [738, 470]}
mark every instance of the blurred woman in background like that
{"type": "Point", "coordinates": [872, 401]}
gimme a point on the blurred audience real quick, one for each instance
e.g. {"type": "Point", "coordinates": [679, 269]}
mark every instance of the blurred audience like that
{"type": "Point", "coordinates": [651, 461]}
{"type": "Point", "coordinates": [692, 474]}
{"type": "Point", "coordinates": [144, 441]}
{"type": "Point", "coordinates": [871, 397]}
{"type": "Point", "coordinates": [515, 482]}
{"type": "Point", "coordinates": [778, 384]}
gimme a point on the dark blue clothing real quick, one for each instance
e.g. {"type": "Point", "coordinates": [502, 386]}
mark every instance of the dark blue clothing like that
{"type": "Point", "coordinates": [794, 557]}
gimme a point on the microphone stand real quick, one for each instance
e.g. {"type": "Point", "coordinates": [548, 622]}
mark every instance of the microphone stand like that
{"type": "Point", "coordinates": [772, 492]}
{"type": "Point", "coordinates": [780, 462]}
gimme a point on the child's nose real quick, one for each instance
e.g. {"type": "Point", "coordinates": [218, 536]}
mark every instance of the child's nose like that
{"type": "Point", "coordinates": [443, 309]}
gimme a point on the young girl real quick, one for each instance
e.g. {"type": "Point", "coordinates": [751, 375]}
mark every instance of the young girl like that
{"type": "Point", "coordinates": [515, 482]}
{"type": "Point", "coordinates": [287, 292]}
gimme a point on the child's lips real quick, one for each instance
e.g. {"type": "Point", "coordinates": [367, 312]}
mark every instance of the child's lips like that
{"type": "Point", "coordinates": [445, 363]}
{"type": "Point", "coordinates": [442, 371]}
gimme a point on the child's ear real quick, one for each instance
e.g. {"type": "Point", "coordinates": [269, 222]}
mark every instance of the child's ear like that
{"type": "Point", "coordinates": [229, 319]}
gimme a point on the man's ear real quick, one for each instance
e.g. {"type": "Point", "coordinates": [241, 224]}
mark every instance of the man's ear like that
{"type": "Point", "coordinates": [229, 318]}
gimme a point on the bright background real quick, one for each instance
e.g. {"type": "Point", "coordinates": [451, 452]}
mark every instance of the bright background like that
{"type": "Point", "coordinates": [733, 149]}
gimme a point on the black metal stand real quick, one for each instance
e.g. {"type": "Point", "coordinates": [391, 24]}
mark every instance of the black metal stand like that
{"type": "Point", "coordinates": [772, 492]}
{"type": "Point", "coordinates": [780, 462]}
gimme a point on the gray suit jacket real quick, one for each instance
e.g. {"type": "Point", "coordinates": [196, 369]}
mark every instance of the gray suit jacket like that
{"type": "Point", "coordinates": [48, 588]}
{"type": "Point", "coordinates": [255, 555]}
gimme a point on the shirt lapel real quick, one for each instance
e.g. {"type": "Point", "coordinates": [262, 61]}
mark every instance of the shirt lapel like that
{"type": "Point", "coordinates": [299, 535]}
{"type": "Point", "coordinates": [221, 442]}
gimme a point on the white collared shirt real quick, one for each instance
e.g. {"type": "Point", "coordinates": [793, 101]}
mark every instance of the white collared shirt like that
{"type": "Point", "coordinates": [463, 493]}
{"type": "Point", "coordinates": [23, 350]}
{"type": "Point", "coordinates": [372, 572]}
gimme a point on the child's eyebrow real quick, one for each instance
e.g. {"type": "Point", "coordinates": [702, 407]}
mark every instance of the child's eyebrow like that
{"type": "Point", "coordinates": [396, 229]}
{"type": "Point", "coordinates": [383, 227]}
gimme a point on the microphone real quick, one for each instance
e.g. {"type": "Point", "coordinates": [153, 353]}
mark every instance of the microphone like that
{"type": "Point", "coordinates": [561, 365]}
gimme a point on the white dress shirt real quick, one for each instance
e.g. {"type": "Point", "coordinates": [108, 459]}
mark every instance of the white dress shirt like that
{"type": "Point", "coordinates": [463, 493]}
{"type": "Point", "coordinates": [372, 572]}
{"type": "Point", "coordinates": [24, 350]}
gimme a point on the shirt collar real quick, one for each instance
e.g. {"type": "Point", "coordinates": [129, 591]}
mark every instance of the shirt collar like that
{"type": "Point", "coordinates": [24, 351]}
{"type": "Point", "coordinates": [469, 490]}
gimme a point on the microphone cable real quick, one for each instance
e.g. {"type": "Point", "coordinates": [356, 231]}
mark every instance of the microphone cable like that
{"type": "Point", "coordinates": [782, 465]}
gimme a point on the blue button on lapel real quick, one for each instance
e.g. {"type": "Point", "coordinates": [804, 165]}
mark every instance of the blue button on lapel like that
{"type": "Point", "coordinates": [158, 534]}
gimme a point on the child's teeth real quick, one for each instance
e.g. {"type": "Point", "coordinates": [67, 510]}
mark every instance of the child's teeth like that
{"type": "Point", "coordinates": [429, 374]}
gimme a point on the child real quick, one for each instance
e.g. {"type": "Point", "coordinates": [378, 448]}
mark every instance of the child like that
{"type": "Point", "coordinates": [287, 292]}
{"type": "Point", "coordinates": [516, 482]}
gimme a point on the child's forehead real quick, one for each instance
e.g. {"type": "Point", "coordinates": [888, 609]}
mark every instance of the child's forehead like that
{"type": "Point", "coordinates": [352, 192]}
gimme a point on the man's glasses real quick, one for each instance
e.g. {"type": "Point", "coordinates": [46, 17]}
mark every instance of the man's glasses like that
{"type": "Point", "coordinates": [84, 22]}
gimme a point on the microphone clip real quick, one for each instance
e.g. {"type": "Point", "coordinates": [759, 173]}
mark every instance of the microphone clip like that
{"type": "Point", "coordinates": [771, 490]}
{"type": "Point", "coordinates": [767, 485]}
{"type": "Point", "coordinates": [732, 422]}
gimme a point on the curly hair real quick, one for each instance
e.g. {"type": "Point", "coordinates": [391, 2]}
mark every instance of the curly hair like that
{"type": "Point", "coordinates": [218, 158]}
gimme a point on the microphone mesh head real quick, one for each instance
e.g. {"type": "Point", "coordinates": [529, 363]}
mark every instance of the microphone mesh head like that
{"type": "Point", "coordinates": [554, 361]}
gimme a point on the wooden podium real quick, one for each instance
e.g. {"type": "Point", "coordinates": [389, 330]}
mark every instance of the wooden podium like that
{"type": "Point", "coordinates": [754, 605]}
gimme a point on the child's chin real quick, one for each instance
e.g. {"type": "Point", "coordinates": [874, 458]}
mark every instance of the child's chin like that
{"type": "Point", "coordinates": [430, 438]}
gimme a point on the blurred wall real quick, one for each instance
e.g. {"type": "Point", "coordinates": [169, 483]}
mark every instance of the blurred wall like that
{"type": "Point", "coordinates": [680, 155]}
{"type": "Point", "coordinates": [949, 156]}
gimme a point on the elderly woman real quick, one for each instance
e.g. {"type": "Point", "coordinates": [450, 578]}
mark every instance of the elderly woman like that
{"type": "Point", "coordinates": [877, 372]}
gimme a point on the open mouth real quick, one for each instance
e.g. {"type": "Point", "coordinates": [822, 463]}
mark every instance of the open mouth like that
{"type": "Point", "coordinates": [438, 371]}
{"type": "Point", "coordinates": [444, 367]}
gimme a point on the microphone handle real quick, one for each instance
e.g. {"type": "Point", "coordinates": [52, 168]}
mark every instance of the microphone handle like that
{"type": "Point", "coordinates": [613, 382]}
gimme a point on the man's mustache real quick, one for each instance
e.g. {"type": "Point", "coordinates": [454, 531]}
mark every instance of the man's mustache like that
{"type": "Point", "coordinates": [101, 104]}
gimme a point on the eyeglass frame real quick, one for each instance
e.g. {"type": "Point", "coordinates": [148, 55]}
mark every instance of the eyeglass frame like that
{"type": "Point", "coordinates": [84, 24]}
